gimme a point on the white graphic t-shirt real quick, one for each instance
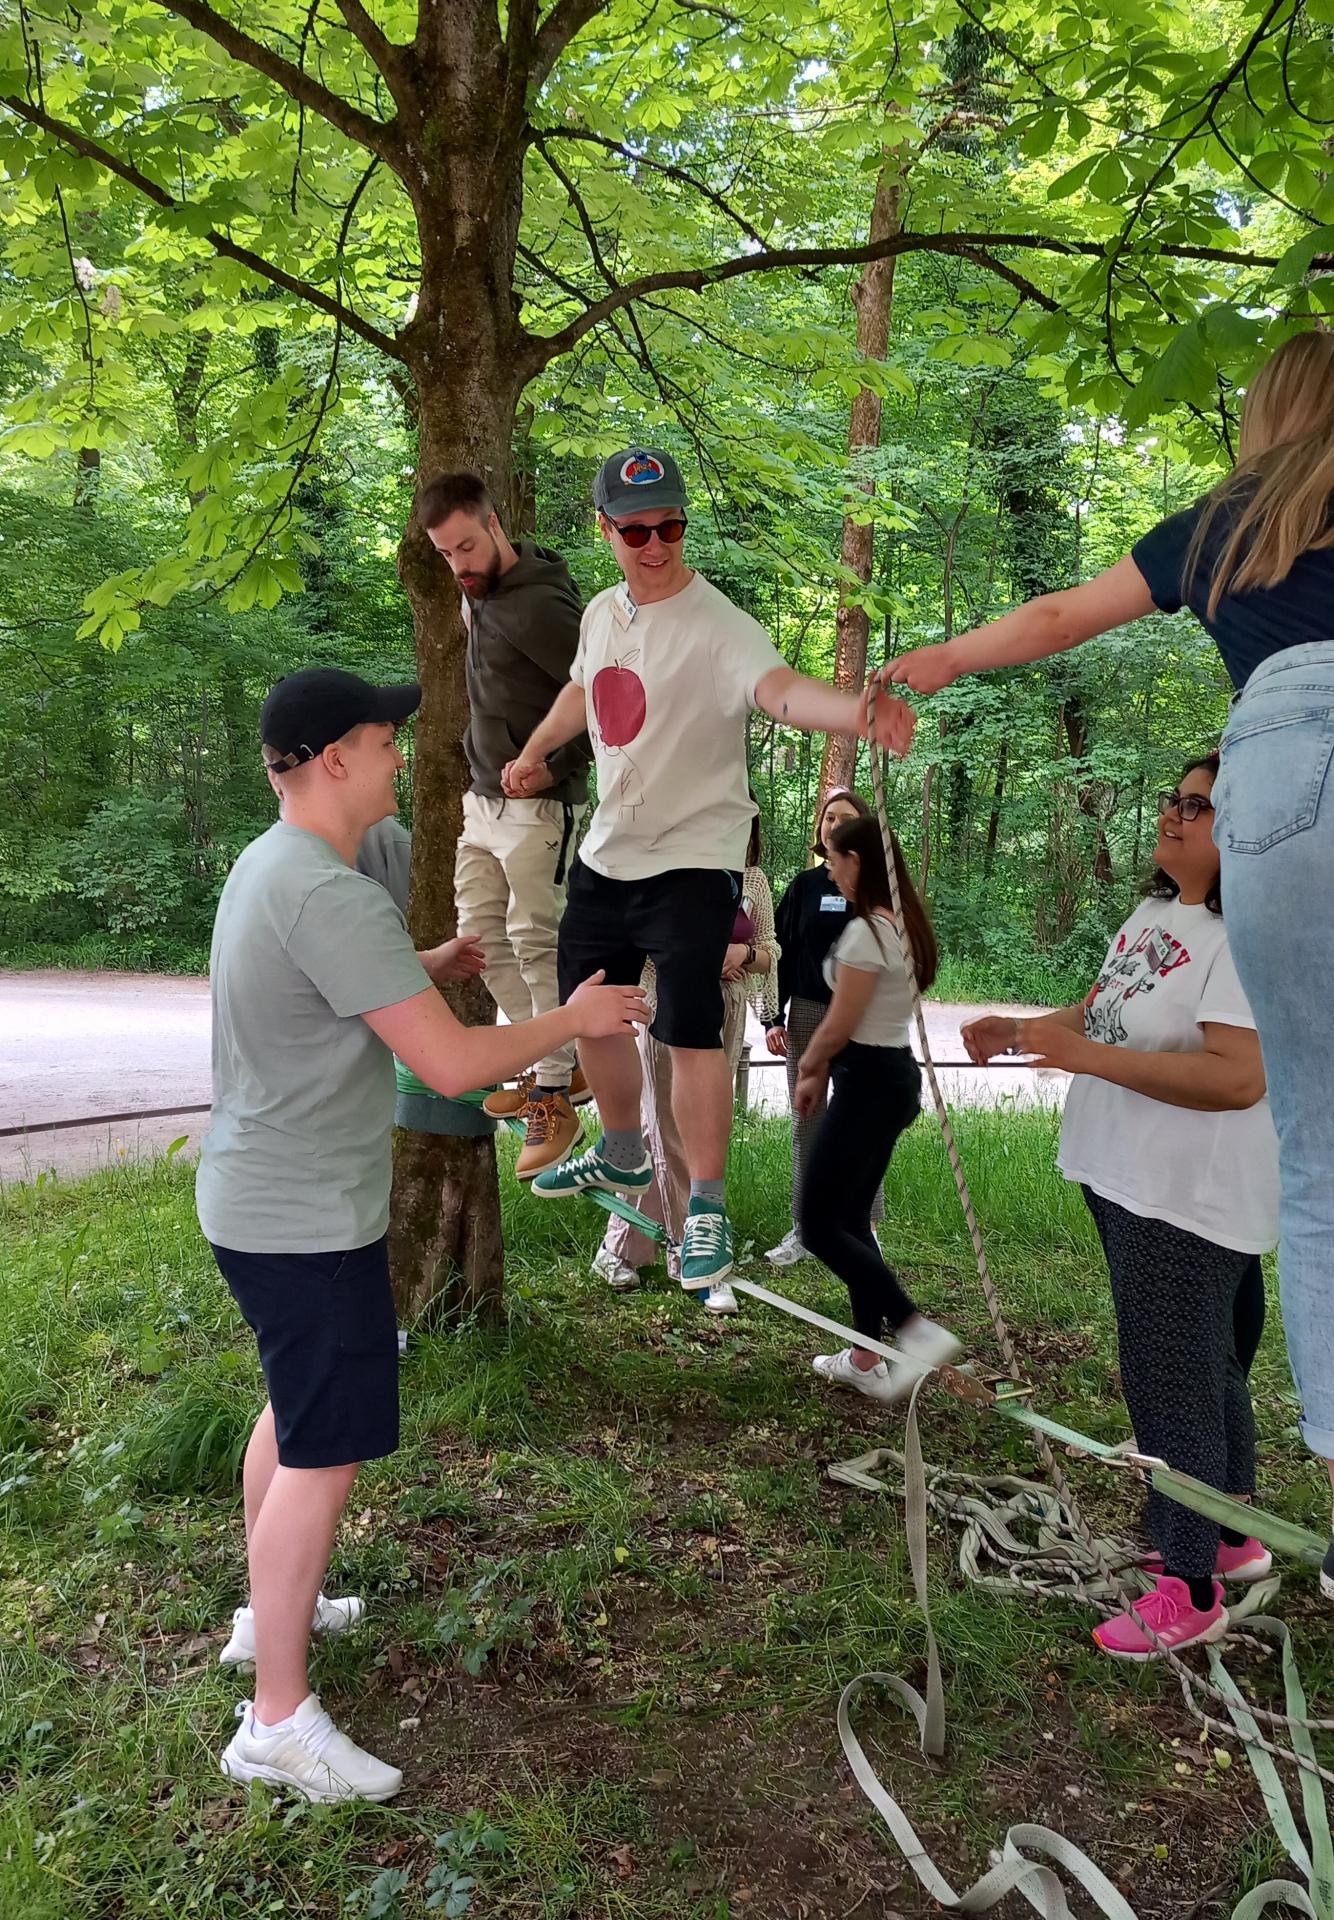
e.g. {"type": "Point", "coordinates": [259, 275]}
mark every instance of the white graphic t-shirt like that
{"type": "Point", "coordinates": [668, 689]}
{"type": "Point", "coordinates": [1168, 972]}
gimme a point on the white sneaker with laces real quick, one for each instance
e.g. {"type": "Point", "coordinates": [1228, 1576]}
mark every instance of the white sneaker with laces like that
{"type": "Point", "coordinates": [788, 1251]}
{"type": "Point", "coordinates": [309, 1755]}
{"type": "Point", "coordinates": [619, 1275]}
{"type": "Point", "coordinates": [840, 1368]}
{"type": "Point", "coordinates": [924, 1345]}
{"type": "Point", "coordinates": [331, 1616]}
{"type": "Point", "coordinates": [721, 1299]}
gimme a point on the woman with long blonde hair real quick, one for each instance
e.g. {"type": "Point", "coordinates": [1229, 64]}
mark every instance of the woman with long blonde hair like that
{"type": "Point", "coordinates": [1254, 562]}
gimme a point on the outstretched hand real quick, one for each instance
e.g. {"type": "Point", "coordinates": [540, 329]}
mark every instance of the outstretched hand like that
{"type": "Point", "coordinates": [994, 1033]}
{"type": "Point", "coordinates": [460, 959]}
{"type": "Point", "coordinates": [925, 669]}
{"type": "Point", "coordinates": [606, 1012]}
{"type": "Point", "coordinates": [1042, 1042]}
{"type": "Point", "coordinates": [894, 723]}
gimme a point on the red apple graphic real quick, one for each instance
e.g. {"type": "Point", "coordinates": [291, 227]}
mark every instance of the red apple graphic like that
{"type": "Point", "coordinates": [619, 703]}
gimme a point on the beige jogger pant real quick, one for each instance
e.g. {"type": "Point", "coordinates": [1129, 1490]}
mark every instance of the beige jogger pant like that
{"type": "Point", "coordinates": [507, 898]}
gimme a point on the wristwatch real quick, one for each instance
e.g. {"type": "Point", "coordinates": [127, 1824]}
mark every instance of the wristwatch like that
{"type": "Point", "coordinates": [750, 955]}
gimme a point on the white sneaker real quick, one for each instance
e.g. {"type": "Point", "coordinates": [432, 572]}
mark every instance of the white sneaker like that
{"type": "Point", "coordinates": [874, 1381]}
{"type": "Point", "coordinates": [619, 1275]}
{"type": "Point", "coordinates": [788, 1251]}
{"type": "Point", "coordinates": [331, 1616]}
{"type": "Point", "coordinates": [721, 1299]}
{"type": "Point", "coordinates": [309, 1755]}
{"type": "Point", "coordinates": [924, 1345]}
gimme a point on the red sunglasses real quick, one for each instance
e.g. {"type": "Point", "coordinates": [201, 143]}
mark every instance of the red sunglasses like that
{"type": "Point", "coordinates": [635, 534]}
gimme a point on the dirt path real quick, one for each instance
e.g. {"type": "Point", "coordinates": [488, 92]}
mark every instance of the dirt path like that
{"type": "Point", "coordinates": [111, 1043]}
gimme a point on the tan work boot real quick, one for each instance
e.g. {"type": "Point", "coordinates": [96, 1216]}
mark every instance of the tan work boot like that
{"type": "Point", "coordinates": [553, 1132]}
{"type": "Point", "coordinates": [579, 1091]}
{"type": "Point", "coordinates": [507, 1103]}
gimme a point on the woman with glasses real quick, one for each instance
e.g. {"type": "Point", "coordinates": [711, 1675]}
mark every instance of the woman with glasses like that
{"type": "Point", "coordinates": [1254, 562]}
{"type": "Point", "coordinates": [1169, 1135]}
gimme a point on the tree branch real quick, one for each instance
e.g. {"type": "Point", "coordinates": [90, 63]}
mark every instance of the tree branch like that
{"type": "Point", "coordinates": [303, 289]}
{"type": "Point", "coordinates": [540, 135]}
{"type": "Point", "coordinates": [377, 44]}
{"type": "Point", "coordinates": [1027, 289]}
{"type": "Point", "coordinates": [375, 135]}
{"type": "Point", "coordinates": [566, 19]}
{"type": "Point", "coordinates": [544, 348]}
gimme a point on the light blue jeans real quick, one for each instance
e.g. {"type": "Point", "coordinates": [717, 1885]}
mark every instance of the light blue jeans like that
{"type": "Point", "coordinates": [1274, 827]}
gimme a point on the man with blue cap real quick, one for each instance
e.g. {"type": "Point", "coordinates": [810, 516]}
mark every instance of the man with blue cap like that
{"type": "Point", "coordinates": [666, 675]}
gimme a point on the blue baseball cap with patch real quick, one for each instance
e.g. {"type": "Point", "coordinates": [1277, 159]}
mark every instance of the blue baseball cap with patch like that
{"type": "Point", "coordinates": [638, 478]}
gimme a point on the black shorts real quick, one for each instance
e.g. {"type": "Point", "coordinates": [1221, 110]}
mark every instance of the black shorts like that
{"type": "Point", "coordinates": [682, 921]}
{"type": "Point", "coordinates": [328, 1344]}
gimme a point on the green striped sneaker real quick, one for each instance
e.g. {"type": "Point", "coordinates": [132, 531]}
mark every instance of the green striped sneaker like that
{"type": "Point", "coordinates": [591, 1172]}
{"type": "Point", "coordinates": [706, 1247]}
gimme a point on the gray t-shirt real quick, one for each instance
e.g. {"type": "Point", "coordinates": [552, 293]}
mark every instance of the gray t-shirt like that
{"type": "Point", "coordinates": [385, 855]}
{"type": "Point", "coordinates": [297, 1156]}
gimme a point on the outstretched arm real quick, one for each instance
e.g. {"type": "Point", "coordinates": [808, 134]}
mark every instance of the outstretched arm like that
{"type": "Point", "coordinates": [816, 707]}
{"type": "Point", "coordinates": [1053, 623]}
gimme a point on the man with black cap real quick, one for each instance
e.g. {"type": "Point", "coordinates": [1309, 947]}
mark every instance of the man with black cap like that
{"type": "Point", "coordinates": [521, 610]}
{"type": "Point", "coordinates": [315, 987]}
{"type": "Point", "coordinates": [666, 675]}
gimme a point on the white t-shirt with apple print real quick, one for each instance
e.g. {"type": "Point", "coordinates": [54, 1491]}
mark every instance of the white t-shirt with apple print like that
{"type": "Point", "coordinates": [668, 694]}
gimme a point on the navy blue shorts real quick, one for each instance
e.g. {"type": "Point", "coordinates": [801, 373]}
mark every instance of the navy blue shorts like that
{"type": "Point", "coordinates": [681, 920]}
{"type": "Point", "coordinates": [328, 1344]}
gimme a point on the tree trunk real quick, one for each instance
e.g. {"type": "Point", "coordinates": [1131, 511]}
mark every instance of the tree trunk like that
{"type": "Point", "coordinates": [446, 1250]}
{"type": "Point", "coordinates": [873, 295]}
{"type": "Point", "coordinates": [997, 800]}
{"type": "Point", "coordinates": [1087, 797]}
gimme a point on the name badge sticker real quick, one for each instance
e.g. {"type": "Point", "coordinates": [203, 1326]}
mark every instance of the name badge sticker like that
{"type": "Point", "coordinates": [623, 607]}
{"type": "Point", "coordinates": [833, 903]}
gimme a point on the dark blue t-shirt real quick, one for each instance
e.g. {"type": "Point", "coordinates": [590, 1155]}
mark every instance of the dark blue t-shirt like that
{"type": "Point", "coordinates": [1248, 627]}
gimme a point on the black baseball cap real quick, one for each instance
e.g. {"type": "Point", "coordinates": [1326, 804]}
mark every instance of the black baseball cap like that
{"type": "Point", "coordinates": [309, 710]}
{"type": "Point", "coordinates": [638, 477]}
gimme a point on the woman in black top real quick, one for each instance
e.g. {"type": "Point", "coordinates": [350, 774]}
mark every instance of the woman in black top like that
{"type": "Point", "coordinates": [1254, 562]}
{"type": "Point", "coordinates": [809, 918]}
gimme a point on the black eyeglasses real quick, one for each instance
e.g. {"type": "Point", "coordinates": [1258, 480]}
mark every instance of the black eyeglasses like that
{"type": "Point", "coordinates": [635, 534]}
{"type": "Point", "coordinates": [1189, 805]}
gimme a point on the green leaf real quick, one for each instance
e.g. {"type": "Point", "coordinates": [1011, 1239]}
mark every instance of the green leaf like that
{"type": "Point", "coordinates": [1041, 135]}
{"type": "Point", "coordinates": [1108, 178]}
{"type": "Point", "coordinates": [1269, 168]}
{"type": "Point", "coordinates": [1072, 179]}
{"type": "Point", "coordinates": [1303, 184]}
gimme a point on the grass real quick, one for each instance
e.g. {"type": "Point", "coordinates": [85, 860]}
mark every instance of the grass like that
{"type": "Point", "coordinates": [108, 953]}
{"type": "Point", "coordinates": [612, 1595]}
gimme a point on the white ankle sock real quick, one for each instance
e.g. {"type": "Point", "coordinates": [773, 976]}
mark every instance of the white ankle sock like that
{"type": "Point", "coordinates": [263, 1732]}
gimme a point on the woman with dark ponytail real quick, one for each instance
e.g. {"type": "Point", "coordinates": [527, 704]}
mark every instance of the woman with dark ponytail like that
{"type": "Point", "coordinates": [860, 1051]}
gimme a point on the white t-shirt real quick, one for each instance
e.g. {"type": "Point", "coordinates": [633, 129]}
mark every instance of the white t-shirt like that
{"type": "Point", "coordinates": [1168, 972]}
{"type": "Point", "coordinates": [668, 695]}
{"type": "Point", "coordinates": [875, 949]}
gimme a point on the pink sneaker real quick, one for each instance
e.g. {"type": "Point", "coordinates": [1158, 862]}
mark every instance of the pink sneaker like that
{"type": "Point", "coordinates": [1252, 1560]}
{"type": "Point", "coordinates": [1169, 1612]}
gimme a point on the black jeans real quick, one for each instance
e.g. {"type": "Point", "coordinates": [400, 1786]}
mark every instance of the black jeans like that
{"type": "Point", "coordinates": [1185, 1351]}
{"type": "Point", "coordinates": [875, 1094]}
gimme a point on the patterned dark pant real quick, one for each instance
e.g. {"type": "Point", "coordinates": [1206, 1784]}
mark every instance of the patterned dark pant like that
{"type": "Point", "coordinates": [1182, 1306]}
{"type": "Point", "coordinates": [803, 1017]}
